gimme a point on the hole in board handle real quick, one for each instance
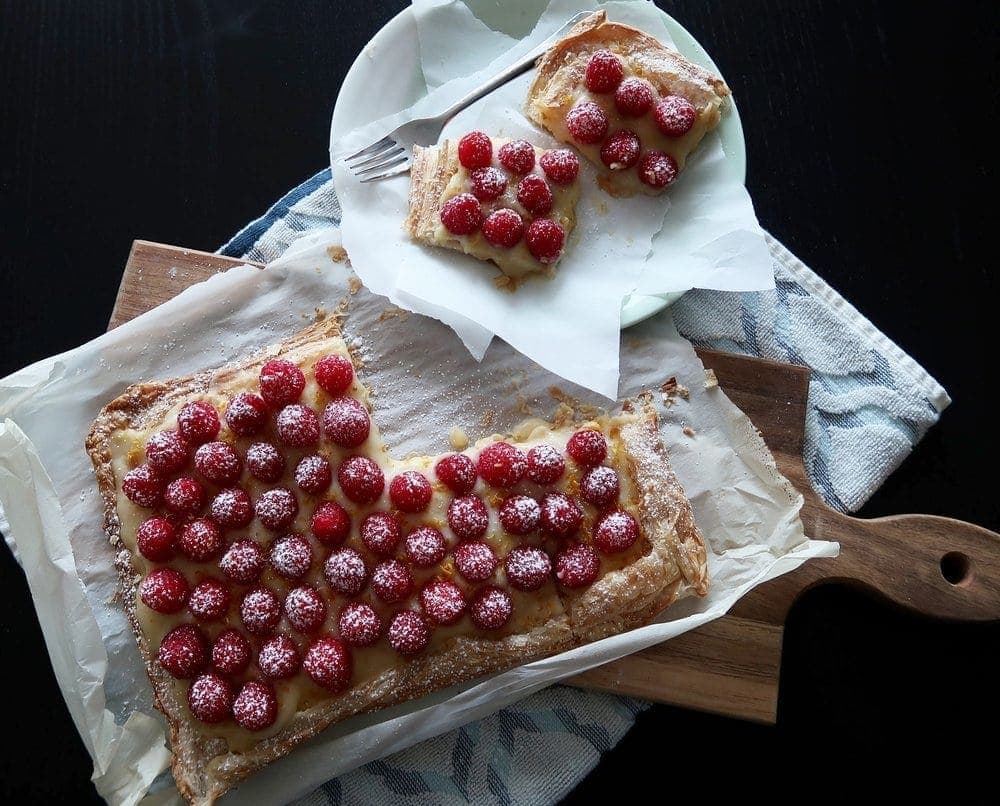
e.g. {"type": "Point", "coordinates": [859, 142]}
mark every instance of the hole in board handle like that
{"type": "Point", "coordinates": [956, 568]}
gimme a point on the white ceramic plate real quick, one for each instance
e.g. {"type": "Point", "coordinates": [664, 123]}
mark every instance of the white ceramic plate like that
{"type": "Point", "coordinates": [390, 62]}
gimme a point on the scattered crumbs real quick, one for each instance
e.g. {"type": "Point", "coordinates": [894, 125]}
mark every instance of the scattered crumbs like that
{"type": "Point", "coordinates": [710, 380]}
{"type": "Point", "coordinates": [562, 416]}
{"type": "Point", "coordinates": [393, 313]}
{"type": "Point", "coordinates": [522, 406]}
{"type": "Point", "coordinates": [337, 254]}
{"type": "Point", "coordinates": [585, 410]}
{"type": "Point", "coordinates": [687, 431]}
{"type": "Point", "coordinates": [669, 386]}
{"type": "Point", "coordinates": [353, 285]}
{"type": "Point", "coordinates": [320, 314]}
{"type": "Point", "coordinates": [683, 391]}
{"type": "Point", "coordinates": [489, 416]}
{"type": "Point", "coordinates": [505, 283]}
{"type": "Point", "coordinates": [672, 390]}
{"type": "Point", "coordinates": [458, 439]}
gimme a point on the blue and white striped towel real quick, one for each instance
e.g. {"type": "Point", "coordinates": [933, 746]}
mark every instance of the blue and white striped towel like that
{"type": "Point", "coordinates": [869, 404]}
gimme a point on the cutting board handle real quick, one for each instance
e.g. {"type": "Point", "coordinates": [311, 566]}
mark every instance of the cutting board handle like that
{"type": "Point", "coordinates": [939, 567]}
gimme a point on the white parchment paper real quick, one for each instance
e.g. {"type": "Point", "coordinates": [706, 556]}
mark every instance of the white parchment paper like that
{"type": "Point", "coordinates": [425, 383]}
{"type": "Point", "coordinates": [702, 234]}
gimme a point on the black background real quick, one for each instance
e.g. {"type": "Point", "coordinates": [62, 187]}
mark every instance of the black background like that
{"type": "Point", "coordinates": [871, 135]}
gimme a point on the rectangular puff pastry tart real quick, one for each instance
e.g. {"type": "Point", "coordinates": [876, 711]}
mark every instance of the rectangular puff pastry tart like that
{"type": "Point", "coordinates": [505, 201]}
{"type": "Point", "coordinates": [282, 572]}
{"type": "Point", "coordinates": [634, 107]}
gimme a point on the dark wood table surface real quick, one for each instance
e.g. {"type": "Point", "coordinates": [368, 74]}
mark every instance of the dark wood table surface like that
{"type": "Point", "coordinates": [871, 134]}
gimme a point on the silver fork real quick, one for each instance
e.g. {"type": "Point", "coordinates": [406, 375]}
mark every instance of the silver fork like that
{"type": "Point", "coordinates": [393, 154]}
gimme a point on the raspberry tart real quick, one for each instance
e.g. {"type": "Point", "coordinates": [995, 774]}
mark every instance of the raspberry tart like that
{"type": "Point", "coordinates": [505, 201]}
{"type": "Point", "coordinates": [267, 608]}
{"type": "Point", "coordinates": [632, 106]}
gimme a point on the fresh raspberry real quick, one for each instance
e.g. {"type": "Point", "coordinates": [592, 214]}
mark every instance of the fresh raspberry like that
{"type": "Point", "coordinates": [313, 474]}
{"type": "Point", "coordinates": [185, 496]}
{"type": "Point", "coordinates": [231, 508]}
{"type": "Point", "coordinates": [210, 698]}
{"type": "Point", "coordinates": [475, 150]}
{"type": "Point", "coordinates": [634, 97]}
{"type": "Point", "coordinates": [409, 632]}
{"type": "Point", "coordinates": [410, 491]}
{"type": "Point", "coordinates": [488, 183]}
{"type": "Point", "coordinates": [657, 169]}
{"type": "Point", "coordinates": [587, 447]}
{"type": "Point", "coordinates": [457, 472]}
{"type": "Point", "coordinates": [527, 568]}
{"type": "Point", "coordinates": [199, 539]}
{"type": "Point", "coordinates": [442, 601]}
{"type": "Point", "coordinates": [517, 156]}
{"type": "Point", "coordinates": [587, 122]}
{"type": "Point", "coordinates": [545, 464]}
{"type": "Point", "coordinates": [231, 652]}
{"type": "Point", "coordinates": [502, 465]}
{"type": "Point", "coordinates": [490, 608]}
{"type": "Point", "coordinates": [256, 706]}
{"type": "Point", "coordinates": [425, 546]}
{"type": "Point", "coordinates": [346, 572]}
{"type": "Point", "coordinates": [475, 561]}
{"type": "Point", "coordinates": [209, 601]}
{"type": "Point", "coordinates": [278, 658]}
{"type": "Point", "coordinates": [392, 581]}
{"type": "Point", "coordinates": [334, 374]}
{"type": "Point", "coordinates": [561, 515]}
{"type": "Point", "coordinates": [604, 72]}
{"type": "Point", "coordinates": [277, 508]}
{"type": "Point", "coordinates": [298, 426]}
{"type": "Point", "coordinates": [577, 566]}
{"type": "Point", "coordinates": [165, 590]}
{"type": "Point", "coordinates": [461, 214]}
{"type": "Point", "coordinates": [167, 452]}
{"type": "Point", "coordinates": [281, 382]}
{"type": "Point", "coordinates": [328, 663]}
{"type": "Point", "coordinates": [545, 240]}
{"type": "Point", "coordinates": [246, 414]}
{"type": "Point", "coordinates": [468, 517]}
{"type": "Point", "coordinates": [155, 539]}
{"type": "Point", "coordinates": [615, 531]}
{"type": "Point", "coordinates": [183, 652]}
{"type": "Point", "coordinates": [291, 556]}
{"type": "Point", "coordinates": [380, 533]}
{"type": "Point", "coordinates": [674, 116]}
{"type": "Point", "coordinates": [534, 195]}
{"type": "Point", "coordinates": [519, 515]}
{"type": "Point", "coordinates": [561, 166]}
{"type": "Point", "coordinates": [330, 523]}
{"type": "Point", "coordinates": [143, 486]}
{"type": "Point", "coordinates": [243, 562]}
{"type": "Point", "coordinates": [359, 624]}
{"type": "Point", "coordinates": [260, 611]}
{"type": "Point", "coordinates": [265, 462]}
{"type": "Point", "coordinates": [621, 150]}
{"type": "Point", "coordinates": [600, 486]}
{"type": "Point", "coordinates": [346, 421]}
{"type": "Point", "coordinates": [218, 462]}
{"type": "Point", "coordinates": [198, 422]}
{"type": "Point", "coordinates": [503, 228]}
{"type": "Point", "coordinates": [305, 609]}
{"type": "Point", "coordinates": [361, 479]}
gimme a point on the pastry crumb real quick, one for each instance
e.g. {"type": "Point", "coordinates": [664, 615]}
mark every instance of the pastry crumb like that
{"type": "Point", "coordinates": [711, 381]}
{"type": "Point", "coordinates": [393, 313]}
{"type": "Point", "coordinates": [319, 314]}
{"type": "Point", "coordinates": [576, 407]}
{"type": "Point", "coordinates": [488, 418]}
{"type": "Point", "coordinates": [353, 285]}
{"type": "Point", "coordinates": [337, 254]}
{"type": "Point", "coordinates": [505, 283]}
{"type": "Point", "coordinates": [687, 431]}
{"type": "Point", "coordinates": [458, 439]}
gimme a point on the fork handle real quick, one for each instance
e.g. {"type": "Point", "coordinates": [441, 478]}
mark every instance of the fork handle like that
{"type": "Point", "coordinates": [512, 71]}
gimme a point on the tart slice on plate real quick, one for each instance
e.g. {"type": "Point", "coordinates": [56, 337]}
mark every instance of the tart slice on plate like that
{"type": "Point", "coordinates": [506, 201]}
{"type": "Point", "coordinates": [634, 107]}
{"type": "Point", "coordinates": [282, 572]}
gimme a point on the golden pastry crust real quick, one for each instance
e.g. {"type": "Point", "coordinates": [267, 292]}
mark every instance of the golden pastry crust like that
{"type": "Point", "coordinates": [560, 77]}
{"type": "Point", "coordinates": [672, 564]}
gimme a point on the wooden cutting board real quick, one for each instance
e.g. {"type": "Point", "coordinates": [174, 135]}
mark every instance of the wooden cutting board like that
{"type": "Point", "coordinates": [935, 566]}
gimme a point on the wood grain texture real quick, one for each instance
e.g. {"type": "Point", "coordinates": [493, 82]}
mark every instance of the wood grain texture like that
{"type": "Point", "coordinates": [731, 666]}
